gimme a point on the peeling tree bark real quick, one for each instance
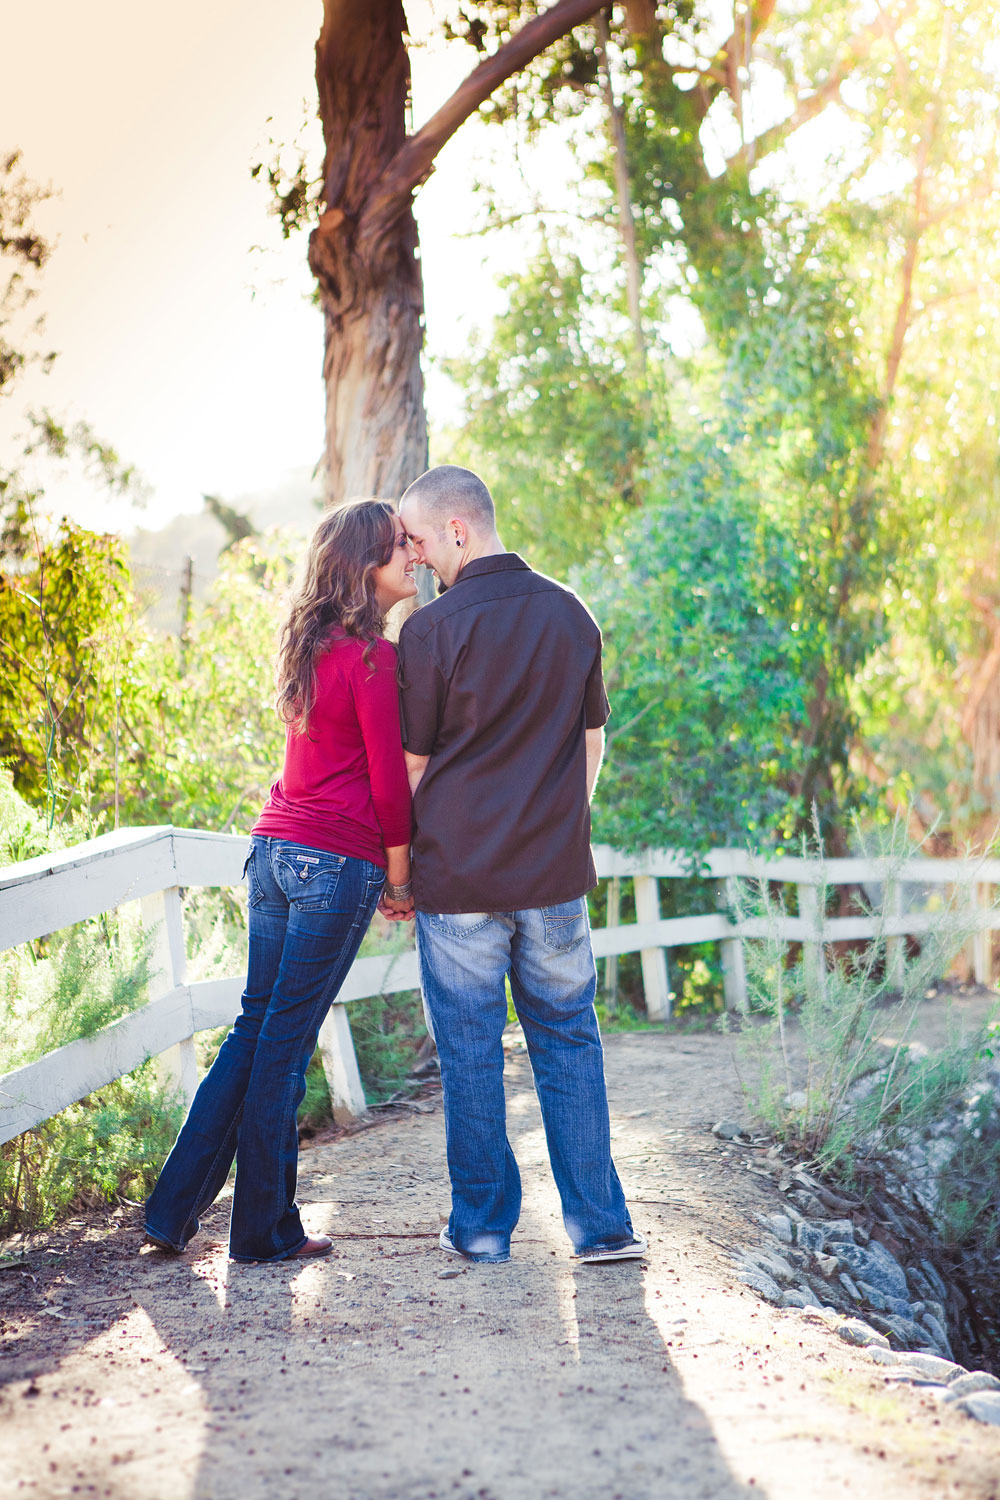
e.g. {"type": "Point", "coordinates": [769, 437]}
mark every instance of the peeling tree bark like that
{"type": "Point", "coordinates": [364, 251]}
{"type": "Point", "coordinates": [376, 433]}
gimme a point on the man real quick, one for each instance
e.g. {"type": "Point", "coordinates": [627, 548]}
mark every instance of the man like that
{"type": "Point", "coordinates": [503, 707]}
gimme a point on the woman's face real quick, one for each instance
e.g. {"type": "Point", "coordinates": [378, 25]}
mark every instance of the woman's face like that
{"type": "Point", "coordinates": [394, 581]}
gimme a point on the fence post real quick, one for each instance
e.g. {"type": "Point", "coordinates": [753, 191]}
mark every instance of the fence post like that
{"type": "Point", "coordinates": [812, 949]}
{"type": "Point", "coordinates": [177, 1068]}
{"type": "Point", "coordinates": [340, 1064]}
{"type": "Point", "coordinates": [655, 983]}
{"type": "Point", "coordinates": [895, 946]}
{"type": "Point", "coordinates": [734, 971]}
{"type": "Point", "coordinates": [982, 938]}
{"type": "Point", "coordinates": [613, 919]}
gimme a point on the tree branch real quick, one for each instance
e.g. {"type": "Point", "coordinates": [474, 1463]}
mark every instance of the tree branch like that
{"type": "Point", "coordinates": [414, 161]}
{"type": "Point", "coordinates": [841, 68]}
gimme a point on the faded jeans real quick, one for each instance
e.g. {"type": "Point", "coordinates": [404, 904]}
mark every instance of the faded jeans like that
{"type": "Point", "coordinates": [546, 953]}
{"type": "Point", "coordinates": [308, 911]}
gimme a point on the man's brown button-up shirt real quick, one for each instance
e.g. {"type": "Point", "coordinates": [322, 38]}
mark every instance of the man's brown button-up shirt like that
{"type": "Point", "coordinates": [501, 677]}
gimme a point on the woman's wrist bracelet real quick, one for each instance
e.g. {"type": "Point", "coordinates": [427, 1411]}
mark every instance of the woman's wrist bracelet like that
{"type": "Point", "coordinates": [398, 892]}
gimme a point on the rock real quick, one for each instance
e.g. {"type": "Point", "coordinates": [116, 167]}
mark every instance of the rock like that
{"type": "Point", "coordinates": [909, 1335]}
{"type": "Point", "coordinates": [873, 1296]}
{"type": "Point", "coordinates": [849, 1287]}
{"type": "Point", "coordinates": [807, 1202]}
{"type": "Point", "coordinates": [910, 1377]}
{"type": "Point", "coordinates": [773, 1264]}
{"type": "Point", "coordinates": [919, 1283]}
{"type": "Point", "coordinates": [729, 1130]}
{"type": "Point", "coordinates": [797, 1099]}
{"type": "Point", "coordinates": [809, 1236]}
{"type": "Point", "coordinates": [839, 1231]}
{"type": "Point", "coordinates": [984, 1406]}
{"type": "Point", "coordinates": [882, 1356]}
{"type": "Point", "coordinates": [449, 1273]}
{"type": "Point", "coordinates": [827, 1265]}
{"type": "Point", "coordinates": [759, 1282]}
{"type": "Point", "coordinates": [856, 1332]}
{"type": "Point", "coordinates": [780, 1226]}
{"type": "Point", "coordinates": [794, 1298]}
{"type": "Point", "coordinates": [929, 1367]}
{"type": "Point", "coordinates": [828, 1316]}
{"type": "Point", "coordinates": [937, 1331]}
{"type": "Point", "coordinates": [971, 1384]}
{"type": "Point", "coordinates": [937, 1285]}
{"type": "Point", "coordinates": [831, 1292]}
{"type": "Point", "coordinates": [877, 1267]}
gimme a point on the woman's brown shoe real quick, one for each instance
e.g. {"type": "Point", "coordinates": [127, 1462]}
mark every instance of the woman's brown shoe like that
{"type": "Point", "coordinates": [316, 1244]}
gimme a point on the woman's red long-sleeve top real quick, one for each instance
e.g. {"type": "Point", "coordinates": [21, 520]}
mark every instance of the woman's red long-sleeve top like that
{"type": "Point", "coordinates": [343, 787]}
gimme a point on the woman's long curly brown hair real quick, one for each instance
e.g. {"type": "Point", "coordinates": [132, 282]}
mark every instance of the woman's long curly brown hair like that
{"type": "Point", "coordinates": [336, 590]}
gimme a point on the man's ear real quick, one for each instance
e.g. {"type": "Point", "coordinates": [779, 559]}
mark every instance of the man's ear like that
{"type": "Point", "coordinates": [458, 532]}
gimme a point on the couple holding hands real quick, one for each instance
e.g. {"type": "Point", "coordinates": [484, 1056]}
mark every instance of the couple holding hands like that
{"type": "Point", "coordinates": [476, 750]}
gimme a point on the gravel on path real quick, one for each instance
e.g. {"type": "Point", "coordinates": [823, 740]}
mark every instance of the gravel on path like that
{"type": "Point", "coordinates": [379, 1374]}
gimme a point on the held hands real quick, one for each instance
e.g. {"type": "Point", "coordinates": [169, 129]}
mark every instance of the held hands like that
{"type": "Point", "coordinates": [396, 911]}
{"type": "Point", "coordinates": [396, 901]}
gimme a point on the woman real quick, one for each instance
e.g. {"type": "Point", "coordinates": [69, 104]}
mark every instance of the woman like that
{"type": "Point", "coordinates": [333, 835]}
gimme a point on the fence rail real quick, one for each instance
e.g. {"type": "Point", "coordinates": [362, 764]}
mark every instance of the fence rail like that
{"type": "Point", "coordinates": [154, 865]}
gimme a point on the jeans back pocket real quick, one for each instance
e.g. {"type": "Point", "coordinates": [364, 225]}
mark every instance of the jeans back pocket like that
{"type": "Point", "coordinates": [566, 923]}
{"type": "Point", "coordinates": [308, 877]}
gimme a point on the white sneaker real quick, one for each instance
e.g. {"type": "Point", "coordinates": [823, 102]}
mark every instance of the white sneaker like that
{"type": "Point", "coordinates": [444, 1240]}
{"type": "Point", "coordinates": [634, 1251]}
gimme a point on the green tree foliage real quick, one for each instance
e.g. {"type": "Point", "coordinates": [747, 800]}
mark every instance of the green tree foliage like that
{"type": "Point", "coordinates": [703, 669]}
{"type": "Point", "coordinates": [552, 414]}
{"type": "Point", "coordinates": [860, 434]}
{"type": "Point", "coordinates": [65, 613]}
{"type": "Point", "coordinates": [206, 743]}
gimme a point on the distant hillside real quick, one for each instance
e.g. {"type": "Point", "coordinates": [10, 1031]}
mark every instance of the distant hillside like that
{"type": "Point", "coordinates": [158, 557]}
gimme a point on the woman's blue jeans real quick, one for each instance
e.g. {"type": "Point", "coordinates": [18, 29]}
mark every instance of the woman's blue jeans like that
{"type": "Point", "coordinates": [546, 953]}
{"type": "Point", "coordinates": [308, 911]}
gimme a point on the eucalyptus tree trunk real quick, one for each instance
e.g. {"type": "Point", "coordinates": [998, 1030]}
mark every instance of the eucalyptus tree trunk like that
{"type": "Point", "coordinates": [376, 430]}
{"type": "Point", "coordinates": [363, 252]}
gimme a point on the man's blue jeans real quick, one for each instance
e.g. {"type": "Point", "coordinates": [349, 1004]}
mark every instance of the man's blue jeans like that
{"type": "Point", "coordinates": [546, 953]}
{"type": "Point", "coordinates": [308, 911]}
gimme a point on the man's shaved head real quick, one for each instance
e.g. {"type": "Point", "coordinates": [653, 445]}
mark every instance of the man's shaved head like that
{"type": "Point", "coordinates": [449, 492]}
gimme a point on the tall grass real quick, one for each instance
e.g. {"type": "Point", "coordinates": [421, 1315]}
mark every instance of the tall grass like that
{"type": "Point", "coordinates": [831, 1065]}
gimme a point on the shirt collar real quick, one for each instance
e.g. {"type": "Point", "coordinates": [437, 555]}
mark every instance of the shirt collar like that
{"type": "Point", "coordinates": [500, 562]}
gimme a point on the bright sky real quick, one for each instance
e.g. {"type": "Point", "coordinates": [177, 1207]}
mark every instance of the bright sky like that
{"type": "Point", "coordinates": [198, 357]}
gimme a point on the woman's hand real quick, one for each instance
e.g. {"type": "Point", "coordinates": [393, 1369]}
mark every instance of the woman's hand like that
{"type": "Point", "coordinates": [396, 911]}
{"type": "Point", "coordinates": [396, 901]}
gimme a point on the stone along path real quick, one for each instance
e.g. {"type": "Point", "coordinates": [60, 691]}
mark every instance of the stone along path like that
{"type": "Point", "coordinates": [391, 1372]}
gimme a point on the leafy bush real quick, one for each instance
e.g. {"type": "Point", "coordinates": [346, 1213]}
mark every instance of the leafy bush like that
{"type": "Point", "coordinates": [111, 1143]}
{"type": "Point", "coordinates": [702, 670]}
{"type": "Point", "coordinates": [70, 985]}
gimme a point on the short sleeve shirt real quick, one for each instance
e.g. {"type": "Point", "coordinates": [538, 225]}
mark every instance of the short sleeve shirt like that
{"type": "Point", "coordinates": [501, 677]}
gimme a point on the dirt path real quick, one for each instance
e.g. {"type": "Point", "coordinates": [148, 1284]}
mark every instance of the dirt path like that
{"type": "Point", "coordinates": [369, 1376]}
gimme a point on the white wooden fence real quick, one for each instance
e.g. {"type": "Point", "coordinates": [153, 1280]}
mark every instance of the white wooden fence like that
{"type": "Point", "coordinates": [152, 865]}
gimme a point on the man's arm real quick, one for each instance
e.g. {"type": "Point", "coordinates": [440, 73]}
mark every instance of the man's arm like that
{"type": "Point", "coordinates": [595, 754]}
{"type": "Point", "coordinates": [416, 765]}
